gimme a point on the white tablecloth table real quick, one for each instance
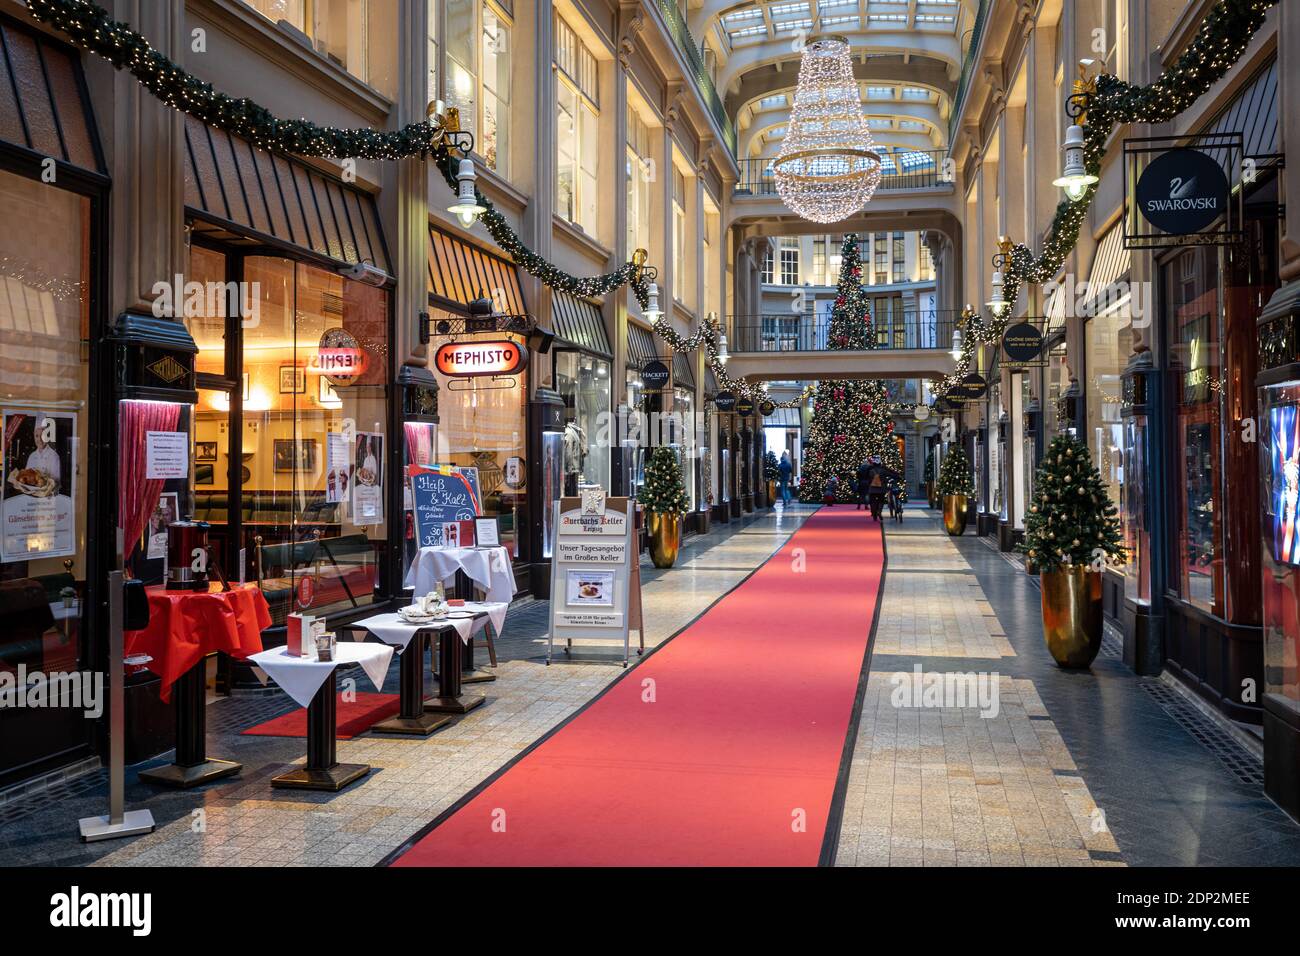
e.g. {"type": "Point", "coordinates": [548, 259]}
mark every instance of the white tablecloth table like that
{"type": "Point", "coordinates": [489, 568]}
{"type": "Point", "coordinates": [301, 677]}
{"type": "Point", "coordinates": [311, 683]}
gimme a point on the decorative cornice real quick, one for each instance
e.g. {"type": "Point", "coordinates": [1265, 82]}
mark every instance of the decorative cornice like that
{"type": "Point", "coordinates": [631, 29]}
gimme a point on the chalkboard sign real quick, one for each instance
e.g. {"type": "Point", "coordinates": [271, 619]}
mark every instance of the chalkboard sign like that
{"type": "Point", "coordinates": [442, 493]}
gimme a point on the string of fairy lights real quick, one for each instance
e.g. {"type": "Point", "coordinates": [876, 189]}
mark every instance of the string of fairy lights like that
{"type": "Point", "coordinates": [1101, 104]}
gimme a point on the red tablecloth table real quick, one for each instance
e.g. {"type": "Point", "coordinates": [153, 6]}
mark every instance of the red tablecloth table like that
{"type": "Point", "coordinates": [184, 627]}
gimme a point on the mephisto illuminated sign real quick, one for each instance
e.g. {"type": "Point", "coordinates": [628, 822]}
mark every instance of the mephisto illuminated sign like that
{"type": "Point", "coordinates": [467, 359]}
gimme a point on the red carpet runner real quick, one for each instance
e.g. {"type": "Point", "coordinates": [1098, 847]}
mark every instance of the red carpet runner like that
{"type": "Point", "coordinates": [742, 743]}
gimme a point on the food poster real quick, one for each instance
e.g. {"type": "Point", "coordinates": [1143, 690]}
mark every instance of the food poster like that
{"type": "Point", "coordinates": [39, 484]}
{"type": "Point", "coordinates": [368, 479]}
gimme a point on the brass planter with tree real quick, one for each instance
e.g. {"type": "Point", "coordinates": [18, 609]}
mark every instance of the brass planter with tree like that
{"type": "Point", "coordinates": [956, 486]}
{"type": "Point", "coordinates": [1071, 531]}
{"type": "Point", "coordinates": [664, 498]}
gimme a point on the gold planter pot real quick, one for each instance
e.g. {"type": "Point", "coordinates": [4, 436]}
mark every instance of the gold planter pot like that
{"type": "Point", "coordinates": [771, 493]}
{"type": "Point", "coordinates": [955, 512]}
{"type": "Point", "coordinates": [1072, 614]}
{"type": "Point", "coordinates": [930, 495]}
{"type": "Point", "coordinates": [665, 531]}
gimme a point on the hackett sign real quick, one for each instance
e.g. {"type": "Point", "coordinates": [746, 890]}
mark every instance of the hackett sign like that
{"type": "Point", "coordinates": [1182, 192]}
{"type": "Point", "coordinates": [468, 359]}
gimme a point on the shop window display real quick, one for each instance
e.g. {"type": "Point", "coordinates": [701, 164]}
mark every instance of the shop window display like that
{"type": "Point", "coordinates": [307, 418]}
{"type": "Point", "coordinates": [583, 381]}
{"type": "Point", "coordinates": [1108, 343]}
{"type": "Point", "coordinates": [44, 381]}
{"type": "Point", "coordinates": [684, 424]}
{"type": "Point", "coordinates": [1193, 311]}
{"type": "Point", "coordinates": [482, 424]}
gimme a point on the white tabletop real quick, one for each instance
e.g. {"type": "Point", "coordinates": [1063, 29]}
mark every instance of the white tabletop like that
{"type": "Point", "coordinates": [489, 568]}
{"type": "Point", "coordinates": [301, 677]}
{"type": "Point", "coordinates": [391, 629]}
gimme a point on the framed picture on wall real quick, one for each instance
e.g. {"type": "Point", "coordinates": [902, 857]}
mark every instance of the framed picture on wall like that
{"type": "Point", "coordinates": [294, 457]}
{"type": "Point", "coordinates": [293, 379]}
{"type": "Point", "coordinates": [205, 451]}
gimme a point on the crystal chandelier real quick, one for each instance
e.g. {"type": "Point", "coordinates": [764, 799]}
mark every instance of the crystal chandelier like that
{"type": "Point", "coordinates": [828, 167]}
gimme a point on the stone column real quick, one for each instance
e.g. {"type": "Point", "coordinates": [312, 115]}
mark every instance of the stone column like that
{"type": "Point", "coordinates": [539, 214]}
{"type": "Point", "coordinates": [407, 213]}
{"type": "Point", "coordinates": [143, 142]}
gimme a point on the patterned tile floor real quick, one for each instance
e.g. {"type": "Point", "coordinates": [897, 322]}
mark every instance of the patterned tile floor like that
{"type": "Point", "coordinates": [1072, 769]}
{"type": "Point", "coordinates": [245, 822]}
{"type": "Point", "coordinates": [1089, 768]}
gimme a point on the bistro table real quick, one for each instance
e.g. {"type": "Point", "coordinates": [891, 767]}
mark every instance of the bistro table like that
{"type": "Point", "coordinates": [490, 571]}
{"type": "Point", "coordinates": [312, 684]}
{"type": "Point", "coordinates": [184, 628]}
{"type": "Point", "coordinates": [409, 639]}
{"type": "Point", "coordinates": [451, 698]}
{"type": "Point", "coordinates": [489, 568]}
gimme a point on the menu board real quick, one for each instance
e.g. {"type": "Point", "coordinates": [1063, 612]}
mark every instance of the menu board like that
{"type": "Point", "coordinates": [441, 494]}
{"type": "Point", "coordinates": [595, 574]}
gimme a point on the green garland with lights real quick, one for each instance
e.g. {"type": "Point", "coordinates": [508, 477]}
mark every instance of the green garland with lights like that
{"type": "Point", "coordinates": [91, 28]}
{"type": "Point", "coordinates": [1223, 37]}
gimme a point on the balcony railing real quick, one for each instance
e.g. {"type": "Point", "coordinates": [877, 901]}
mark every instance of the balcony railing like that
{"type": "Point", "coordinates": [676, 24]}
{"type": "Point", "coordinates": [806, 332]}
{"type": "Point", "coordinates": [967, 67]}
{"type": "Point", "coordinates": [902, 169]}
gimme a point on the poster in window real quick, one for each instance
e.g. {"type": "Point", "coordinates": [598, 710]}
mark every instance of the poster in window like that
{"type": "Point", "coordinates": [368, 479]}
{"type": "Point", "coordinates": [1284, 423]}
{"type": "Point", "coordinates": [338, 467]}
{"type": "Point", "coordinates": [39, 491]}
{"type": "Point", "coordinates": [164, 514]}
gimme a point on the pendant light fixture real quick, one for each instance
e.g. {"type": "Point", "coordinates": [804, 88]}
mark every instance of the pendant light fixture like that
{"type": "Point", "coordinates": [828, 167]}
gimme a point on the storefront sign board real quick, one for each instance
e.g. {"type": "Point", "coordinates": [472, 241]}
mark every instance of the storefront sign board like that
{"type": "Point", "coordinates": [441, 494]}
{"type": "Point", "coordinates": [470, 359]}
{"type": "Point", "coordinates": [595, 572]}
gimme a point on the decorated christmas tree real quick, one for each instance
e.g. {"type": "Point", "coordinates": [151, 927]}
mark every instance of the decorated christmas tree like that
{"type": "Point", "coordinates": [663, 490]}
{"type": "Point", "coordinates": [771, 467]}
{"type": "Point", "coordinates": [1071, 520]}
{"type": "Point", "coordinates": [851, 418]}
{"type": "Point", "coordinates": [955, 475]}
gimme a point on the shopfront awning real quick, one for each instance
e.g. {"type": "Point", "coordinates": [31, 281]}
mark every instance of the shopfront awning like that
{"type": "Point", "coordinates": [579, 323]}
{"type": "Point", "coordinates": [244, 195]}
{"type": "Point", "coordinates": [43, 101]}
{"type": "Point", "coordinates": [683, 373]}
{"type": "Point", "coordinates": [1253, 113]}
{"type": "Point", "coordinates": [1110, 264]}
{"type": "Point", "coordinates": [641, 346]}
{"type": "Point", "coordinates": [1055, 310]}
{"type": "Point", "coordinates": [460, 272]}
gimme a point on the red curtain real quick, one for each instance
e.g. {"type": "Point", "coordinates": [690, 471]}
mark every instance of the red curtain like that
{"type": "Point", "coordinates": [137, 496]}
{"type": "Point", "coordinates": [419, 443]}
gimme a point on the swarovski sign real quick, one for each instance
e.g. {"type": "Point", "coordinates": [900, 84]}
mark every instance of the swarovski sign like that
{"type": "Point", "coordinates": [1182, 192]}
{"type": "Point", "coordinates": [1179, 191]}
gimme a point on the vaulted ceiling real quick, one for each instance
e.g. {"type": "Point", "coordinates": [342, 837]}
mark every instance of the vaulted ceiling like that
{"type": "Point", "coordinates": [907, 58]}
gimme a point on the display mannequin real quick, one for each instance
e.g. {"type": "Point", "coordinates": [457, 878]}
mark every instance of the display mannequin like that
{"type": "Point", "coordinates": [575, 456]}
